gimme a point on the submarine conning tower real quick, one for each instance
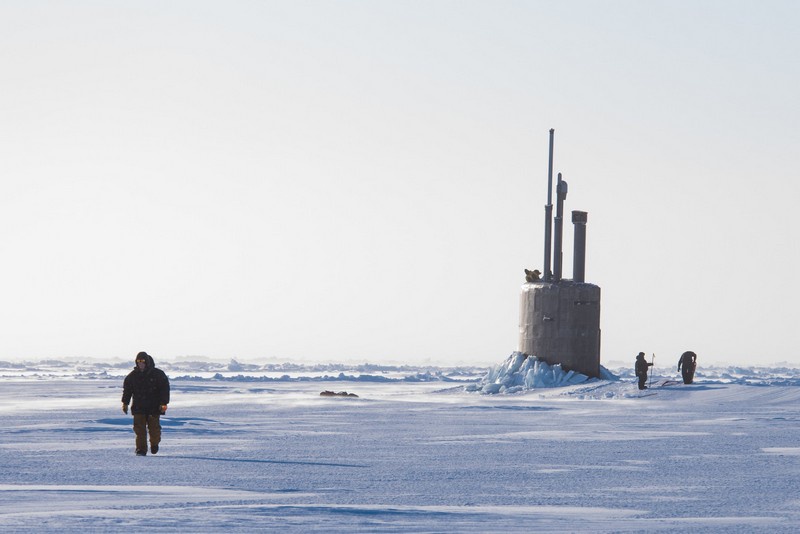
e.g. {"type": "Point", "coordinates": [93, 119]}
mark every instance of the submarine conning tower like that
{"type": "Point", "coordinates": [559, 319]}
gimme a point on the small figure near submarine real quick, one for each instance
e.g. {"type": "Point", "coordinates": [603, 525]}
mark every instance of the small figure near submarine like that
{"type": "Point", "coordinates": [640, 367]}
{"type": "Point", "coordinates": [688, 361]}
{"type": "Point", "coordinates": [559, 319]}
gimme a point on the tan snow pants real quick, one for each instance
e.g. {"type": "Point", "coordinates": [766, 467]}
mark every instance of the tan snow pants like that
{"type": "Point", "coordinates": [141, 424]}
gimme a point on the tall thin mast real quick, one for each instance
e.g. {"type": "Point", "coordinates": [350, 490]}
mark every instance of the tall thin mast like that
{"type": "Point", "coordinates": [548, 213]}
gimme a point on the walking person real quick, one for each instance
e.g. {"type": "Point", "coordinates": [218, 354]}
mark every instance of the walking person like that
{"type": "Point", "coordinates": [149, 388]}
{"type": "Point", "coordinates": [688, 363]}
{"type": "Point", "coordinates": [641, 369]}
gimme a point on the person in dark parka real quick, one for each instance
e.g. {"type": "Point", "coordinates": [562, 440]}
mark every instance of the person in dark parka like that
{"type": "Point", "coordinates": [641, 369]}
{"type": "Point", "coordinates": [688, 362]}
{"type": "Point", "coordinates": [149, 388]}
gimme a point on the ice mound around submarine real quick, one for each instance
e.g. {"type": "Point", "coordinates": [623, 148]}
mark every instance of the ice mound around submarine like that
{"type": "Point", "coordinates": [521, 373]}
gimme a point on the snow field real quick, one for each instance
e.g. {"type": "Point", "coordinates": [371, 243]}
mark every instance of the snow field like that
{"type": "Point", "coordinates": [403, 457]}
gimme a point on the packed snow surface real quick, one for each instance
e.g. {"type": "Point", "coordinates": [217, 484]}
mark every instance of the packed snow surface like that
{"type": "Point", "coordinates": [256, 448]}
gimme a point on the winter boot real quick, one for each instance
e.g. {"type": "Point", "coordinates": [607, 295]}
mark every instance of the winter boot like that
{"type": "Point", "coordinates": [154, 448]}
{"type": "Point", "coordinates": [141, 452]}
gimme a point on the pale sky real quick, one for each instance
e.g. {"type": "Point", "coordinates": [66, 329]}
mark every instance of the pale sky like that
{"type": "Point", "coordinates": [337, 181]}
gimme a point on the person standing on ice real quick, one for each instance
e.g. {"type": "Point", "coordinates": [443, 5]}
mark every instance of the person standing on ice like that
{"type": "Point", "coordinates": [688, 361]}
{"type": "Point", "coordinates": [149, 387]}
{"type": "Point", "coordinates": [641, 369]}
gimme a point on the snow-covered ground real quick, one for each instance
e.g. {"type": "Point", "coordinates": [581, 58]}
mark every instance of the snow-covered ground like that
{"type": "Point", "coordinates": [255, 448]}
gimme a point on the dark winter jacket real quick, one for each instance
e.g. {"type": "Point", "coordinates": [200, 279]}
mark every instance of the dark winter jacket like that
{"type": "Point", "coordinates": [641, 366]}
{"type": "Point", "coordinates": [687, 360]}
{"type": "Point", "coordinates": [149, 389]}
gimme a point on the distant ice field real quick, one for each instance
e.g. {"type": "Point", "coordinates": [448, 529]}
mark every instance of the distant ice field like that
{"type": "Point", "coordinates": [415, 452]}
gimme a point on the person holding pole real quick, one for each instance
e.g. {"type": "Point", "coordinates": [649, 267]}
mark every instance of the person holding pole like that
{"type": "Point", "coordinates": [641, 370]}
